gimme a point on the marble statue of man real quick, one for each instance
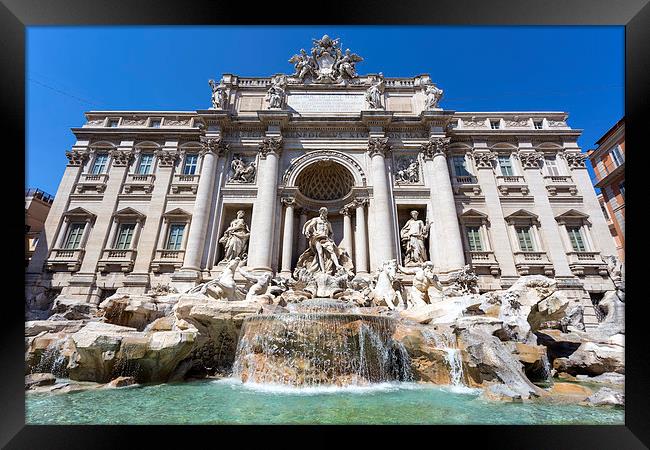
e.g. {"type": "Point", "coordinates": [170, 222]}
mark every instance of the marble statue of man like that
{"type": "Point", "coordinates": [434, 94]}
{"type": "Point", "coordinates": [424, 281]}
{"type": "Point", "coordinates": [374, 93]}
{"type": "Point", "coordinates": [412, 236]}
{"type": "Point", "coordinates": [235, 238]}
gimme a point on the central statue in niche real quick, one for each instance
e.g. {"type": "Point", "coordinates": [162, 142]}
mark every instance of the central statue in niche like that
{"type": "Point", "coordinates": [322, 254]}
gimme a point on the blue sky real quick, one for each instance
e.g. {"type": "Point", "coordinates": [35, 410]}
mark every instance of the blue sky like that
{"type": "Point", "coordinates": [71, 70]}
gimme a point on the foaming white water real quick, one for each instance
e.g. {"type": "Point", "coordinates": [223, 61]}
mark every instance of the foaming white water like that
{"type": "Point", "coordinates": [276, 388]}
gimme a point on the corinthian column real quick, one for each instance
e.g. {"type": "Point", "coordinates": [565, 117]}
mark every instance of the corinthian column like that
{"type": "Point", "coordinates": [382, 232]}
{"type": "Point", "coordinates": [287, 238]}
{"type": "Point", "coordinates": [263, 218]}
{"type": "Point", "coordinates": [212, 148]}
{"type": "Point", "coordinates": [361, 237]}
{"type": "Point", "coordinates": [446, 229]}
{"type": "Point", "coordinates": [346, 243]}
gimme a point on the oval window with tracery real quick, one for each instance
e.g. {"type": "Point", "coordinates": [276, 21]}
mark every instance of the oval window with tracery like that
{"type": "Point", "coordinates": [325, 180]}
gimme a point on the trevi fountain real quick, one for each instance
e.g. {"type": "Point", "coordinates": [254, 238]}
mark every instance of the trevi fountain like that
{"type": "Point", "coordinates": [330, 338]}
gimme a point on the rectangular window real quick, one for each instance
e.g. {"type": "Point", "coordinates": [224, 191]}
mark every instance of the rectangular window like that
{"type": "Point", "coordinates": [505, 164]}
{"type": "Point", "coordinates": [550, 163]}
{"type": "Point", "coordinates": [189, 168]}
{"type": "Point", "coordinates": [113, 122]}
{"type": "Point", "coordinates": [538, 124]}
{"type": "Point", "coordinates": [124, 236]}
{"type": "Point", "coordinates": [621, 187]}
{"type": "Point", "coordinates": [617, 156]}
{"type": "Point", "coordinates": [75, 233]}
{"type": "Point", "coordinates": [525, 239]}
{"type": "Point", "coordinates": [460, 168]}
{"type": "Point", "coordinates": [474, 239]}
{"type": "Point", "coordinates": [99, 166]}
{"type": "Point", "coordinates": [494, 124]}
{"type": "Point", "coordinates": [146, 161]}
{"type": "Point", "coordinates": [575, 236]}
{"type": "Point", "coordinates": [175, 238]}
{"type": "Point", "coordinates": [155, 123]}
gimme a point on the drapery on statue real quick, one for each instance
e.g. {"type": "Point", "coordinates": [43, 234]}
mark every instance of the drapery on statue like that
{"type": "Point", "coordinates": [374, 93]}
{"type": "Point", "coordinates": [218, 95]}
{"type": "Point", "coordinates": [276, 94]}
{"type": "Point", "coordinates": [235, 238]}
{"type": "Point", "coordinates": [345, 66]}
{"type": "Point", "coordinates": [412, 236]}
{"type": "Point", "coordinates": [322, 254]}
{"type": "Point", "coordinates": [434, 94]}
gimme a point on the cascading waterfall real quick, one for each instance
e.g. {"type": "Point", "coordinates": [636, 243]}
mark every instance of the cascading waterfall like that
{"type": "Point", "coordinates": [447, 342]}
{"type": "Point", "coordinates": [320, 342]}
{"type": "Point", "coordinates": [52, 360]}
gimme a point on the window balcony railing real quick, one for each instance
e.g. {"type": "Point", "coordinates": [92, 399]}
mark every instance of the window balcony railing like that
{"type": "Point", "coordinates": [510, 179]}
{"type": "Point", "coordinates": [89, 181]}
{"type": "Point", "coordinates": [136, 181]}
{"type": "Point", "coordinates": [183, 182]}
{"type": "Point", "coordinates": [167, 260]}
{"type": "Point", "coordinates": [531, 257]}
{"type": "Point", "coordinates": [465, 179]}
{"type": "Point", "coordinates": [117, 260]}
{"type": "Point", "coordinates": [64, 259]}
{"type": "Point", "coordinates": [558, 179]}
{"type": "Point", "coordinates": [585, 258]}
{"type": "Point", "coordinates": [483, 262]}
{"type": "Point", "coordinates": [528, 263]}
{"type": "Point", "coordinates": [101, 177]}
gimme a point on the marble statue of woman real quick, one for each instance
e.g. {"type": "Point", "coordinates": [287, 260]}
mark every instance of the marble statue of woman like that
{"type": "Point", "coordinates": [412, 236]}
{"type": "Point", "coordinates": [218, 95]}
{"type": "Point", "coordinates": [374, 93]}
{"type": "Point", "coordinates": [276, 94]}
{"type": "Point", "coordinates": [235, 238]}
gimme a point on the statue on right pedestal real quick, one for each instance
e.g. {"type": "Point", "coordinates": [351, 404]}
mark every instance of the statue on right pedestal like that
{"type": "Point", "coordinates": [412, 235]}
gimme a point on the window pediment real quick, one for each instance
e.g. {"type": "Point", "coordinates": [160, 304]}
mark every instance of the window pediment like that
{"type": "Point", "coordinates": [128, 212]}
{"type": "Point", "coordinates": [80, 213]}
{"type": "Point", "coordinates": [177, 213]}
{"type": "Point", "coordinates": [522, 216]}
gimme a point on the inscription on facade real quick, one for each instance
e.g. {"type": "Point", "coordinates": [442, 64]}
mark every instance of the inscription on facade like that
{"type": "Point", "coordinates": [323, 103]}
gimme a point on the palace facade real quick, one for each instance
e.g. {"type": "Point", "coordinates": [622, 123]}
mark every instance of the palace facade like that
{"type": "Point", "coordinates": [147, 195]}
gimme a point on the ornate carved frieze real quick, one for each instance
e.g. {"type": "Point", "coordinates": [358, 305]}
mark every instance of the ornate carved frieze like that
{"type": "Point", "coordinates": [483, 160]}
{"type": "Point", "coordinates": [76, 158]}
{"type": "Point", "coordinates": [575, 160]}
{"type": "Point", "coordinates": [95, 122]}
{"type": "Point", "coordinates": [556, 123]}
{"type": "Point", "coordinates": [529, 159]}
{"type": "Point", "coordinates": [131, 122]}
{"type": "Point", "coordinates": [216, 145]}
{"type": "Point", "coordinates": [121, 157]}
{"type": "Point", "coordinates": [379, 146]}
{"type": "Point", "coordinates": [407, 170]}
{"type": "Point", "coordinates": [474, 122]}
{"type": "Point", "coordinates": [270, 145]}
{"type": "Point", "coordinates": [177, 123]}
{"type": "Point", "coordinates": [242, 169]}
{"type": "Point", "coordinates": [166, 158]}
{"type": "Point", "coordinates": [435, 146]}
{"type": "Point", "coordinates": [517, 123]}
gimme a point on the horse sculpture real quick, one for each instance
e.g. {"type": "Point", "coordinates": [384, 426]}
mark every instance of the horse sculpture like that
{"type": "Point", "coordinates": [387, 289]}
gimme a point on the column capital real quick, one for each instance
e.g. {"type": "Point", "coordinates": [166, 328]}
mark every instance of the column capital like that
{"type": "Point", "coordinates": [270, 145]}
{"type": "Point", "coordinates": [121, 157]}
{"type": "Point", "coordinates": [575, 160]}
{"type": "Point", "coordinates": [76, 157]}
{"type": "Point", "coordinates": [483, 159]}
{"type": "Point", "coordinates": [288, 201]}
{"type": "Point", "coordinates": [360, 201]}
{"type": "Point", "coordinates": [215, 145]}
{"type": "Point", "coordinates": [166, 158]}
{"type": "Point", "coordinates": [435, 146]}
{"type": "Point", "coordinates": [379, 146]}
{"type": "Point", "coordinates": [347, 209]}
{"type": "Point", "coordinates": [529, 159]}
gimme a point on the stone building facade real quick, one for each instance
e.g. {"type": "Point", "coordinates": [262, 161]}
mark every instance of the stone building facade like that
{"type": "Point", "coordinates": [147, 195]}
{"type": "Point", "coordinates": [37, 206]}
{"type": "Point", "coordinates": [608, 161]}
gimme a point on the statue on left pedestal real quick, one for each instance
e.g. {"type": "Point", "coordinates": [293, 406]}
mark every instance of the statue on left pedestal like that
{"type": "Point", "coordinates": [235, 238]}
{"type": "Point", "coordinates": [219, 96]}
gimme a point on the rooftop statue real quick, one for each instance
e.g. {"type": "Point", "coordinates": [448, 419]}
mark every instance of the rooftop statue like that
{"type": "Point", "coordinates": [375, 92]}
{"type": "Point", "coordinates": [327, 63]}
{"type": "Point", "coordinates": [276, 94]}
{"type": "Point", "coordinates": [219, 96]}
{"type": "Point", "coordinates": [434, 94]}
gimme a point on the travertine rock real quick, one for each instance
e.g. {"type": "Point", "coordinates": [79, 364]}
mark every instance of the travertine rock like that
{"type": "Point", "coordinates": [39, 379]}
{"type": "Point", "coordinates": [136, 311]}
{"type": "Point", "coordinates": [593, 359]}
{"type": "Point", "coordinates": [606, 397]}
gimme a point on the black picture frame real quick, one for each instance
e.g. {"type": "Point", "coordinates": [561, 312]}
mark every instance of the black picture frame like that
{"type": "Point", "coordinates": [15, 15]}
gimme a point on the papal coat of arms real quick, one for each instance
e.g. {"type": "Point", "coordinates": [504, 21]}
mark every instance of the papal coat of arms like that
{"type": "Point", "coordinates": [327, 63]}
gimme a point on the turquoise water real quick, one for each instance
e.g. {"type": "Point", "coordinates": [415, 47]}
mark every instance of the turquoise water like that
{"type": "Point", "coordinates": [228, 401]}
